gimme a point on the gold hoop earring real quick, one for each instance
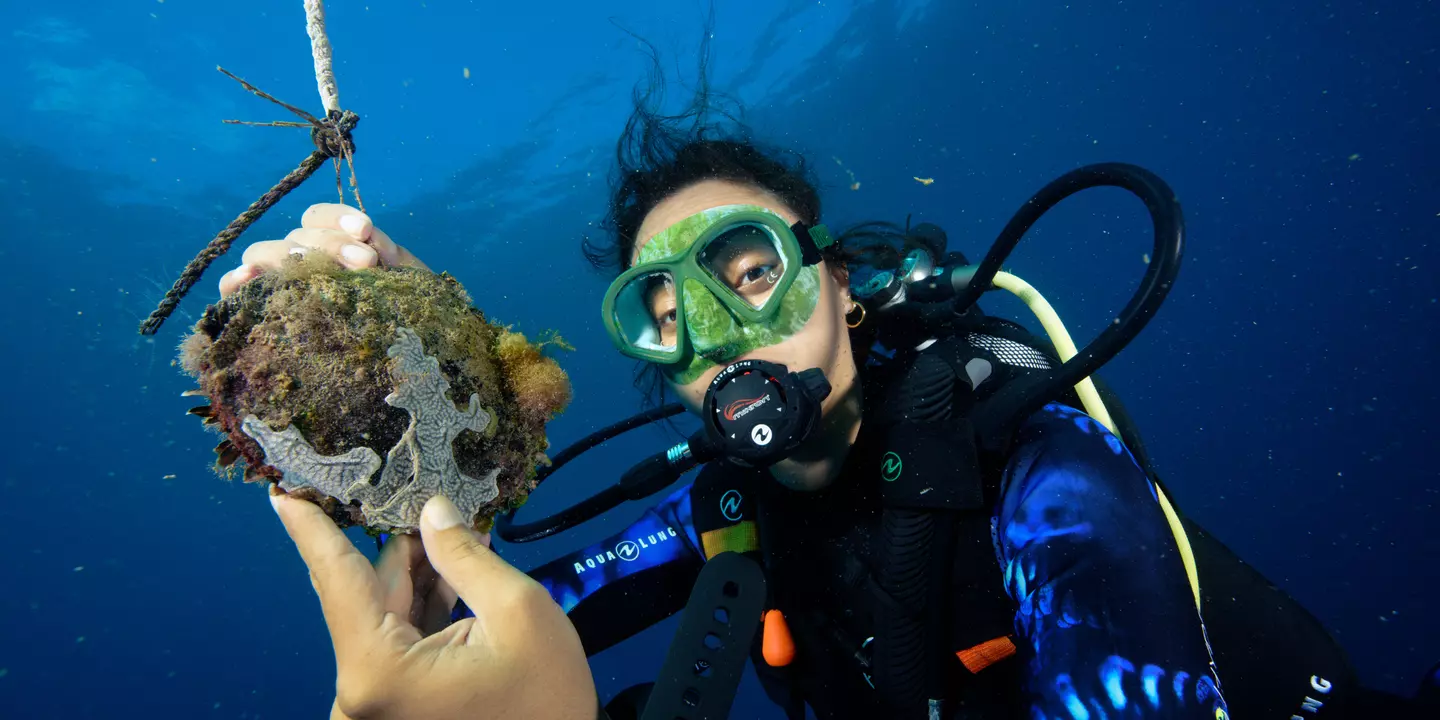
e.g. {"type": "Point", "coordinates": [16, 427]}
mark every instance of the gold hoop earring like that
{"type": "Point", "coordinates": [849, 312]}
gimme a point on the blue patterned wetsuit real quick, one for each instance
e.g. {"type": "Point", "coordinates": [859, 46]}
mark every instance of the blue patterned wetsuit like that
{"type": "Point", "coordinates": [1102, 592]}
{"type": "Point", "coordinates": [1104, 615]}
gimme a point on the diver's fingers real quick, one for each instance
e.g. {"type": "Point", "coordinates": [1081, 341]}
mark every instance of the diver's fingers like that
{"type": "Point", "coordinates": [350, 594]}
{"type": "Point", "coordinates": [358, 225]}
{"type": "Point", "coordinates": [519, 635]}
{"type": "Point", "coordinates": [439, 605]}
{"type": "Point", "coordinates": [497, 593]}
{"type": "Point", "coordinates": [269, 254]}
{"type": "Point", "coordinates": [345, 249]}
{"type": "Point", "coordinates": [391, 254]}
{"type": "Point", "coordinates": [400, 558]}
{"type": "Point", "coordinates": [231, 281]}
{"type": "Point", "coordinates": [347, 220]}
{"type": "Point", "coordinates": [328, 216]}
{"type": "Point", "coordinates": [258, 258]}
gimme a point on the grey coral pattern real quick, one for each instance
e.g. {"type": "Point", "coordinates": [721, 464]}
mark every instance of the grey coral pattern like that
{"type": "Point", "coordinates": [420, 466]}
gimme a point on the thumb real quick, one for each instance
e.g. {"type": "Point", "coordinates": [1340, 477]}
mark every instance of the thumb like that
{"type": "Point", "coordinates": [464, 559]}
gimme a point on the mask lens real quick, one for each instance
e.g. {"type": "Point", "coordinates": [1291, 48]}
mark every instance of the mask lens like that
{"type": "Point", "coordinates": [865, 281]}
{"type": "Point", "coordinates": [917, 265]}
{"type": "Point", "coordinates": [746, 259]}
{"type": "Point", "coordinates": [645, 312]}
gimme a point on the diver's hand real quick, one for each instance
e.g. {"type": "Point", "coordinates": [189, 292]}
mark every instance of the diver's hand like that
{"type": "Point", "coordinates": [339, 231]}
{"type": "Point", "coordinates": [519, 657]}
{"type": "Point", "coordinates": [412, 588]}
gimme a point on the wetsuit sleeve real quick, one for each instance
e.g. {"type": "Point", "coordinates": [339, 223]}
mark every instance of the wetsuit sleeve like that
{"type": "Point", "coordinates": [631, 580]}
{"type": "Point", "coordinates": [1104, 604]}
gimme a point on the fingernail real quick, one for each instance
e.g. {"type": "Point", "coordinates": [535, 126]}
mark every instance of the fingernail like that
{"type": "Point", "coordinates": [353, 224]}
{"type": "Point", "coordinates": [440, 513]}
{"type": "Point", "coordinates": [358, 254]}
{"type": "Point", "coordinates": [275, 503]}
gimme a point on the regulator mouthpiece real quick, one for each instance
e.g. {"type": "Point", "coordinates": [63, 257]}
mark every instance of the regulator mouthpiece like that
{"type": "Point", "coordinates": [758, 412]}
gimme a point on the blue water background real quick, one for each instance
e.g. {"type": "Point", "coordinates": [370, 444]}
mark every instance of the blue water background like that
{"type": "Point", "coordinates": [1285, 388]}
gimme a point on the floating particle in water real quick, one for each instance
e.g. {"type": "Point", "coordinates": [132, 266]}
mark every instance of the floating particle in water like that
{"type": "Point", "coordinates": [924, 181]}
{"type": "Point", "coordinates": [854, 184]}
{"type": "Point", "coordinates": [78, 568]}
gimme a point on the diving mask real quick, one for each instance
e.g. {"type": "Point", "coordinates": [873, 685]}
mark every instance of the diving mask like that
{"type": "Point", "coordinates": [713, 286]}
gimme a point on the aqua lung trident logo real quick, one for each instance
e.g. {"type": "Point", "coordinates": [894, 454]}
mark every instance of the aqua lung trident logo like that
{"type": "Point", "coordinates": [625, 550]}
{"type": "Point", "coordinates": [730, 505]}
{"type": "Point", "coordinates": [891, 467]}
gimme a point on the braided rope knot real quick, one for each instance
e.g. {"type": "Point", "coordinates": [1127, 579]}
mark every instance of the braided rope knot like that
{"type": "Point", "coordinates": [332, 135]}
{"type": "Point", "coordinates": [332, 142]}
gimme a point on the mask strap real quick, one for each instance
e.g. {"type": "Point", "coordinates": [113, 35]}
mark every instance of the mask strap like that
{"type": "Point", "coordinates": [812, 240]}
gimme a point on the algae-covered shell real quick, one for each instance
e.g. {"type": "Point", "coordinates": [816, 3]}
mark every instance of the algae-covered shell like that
{"type": "Point", "coordinates": [370, 391]}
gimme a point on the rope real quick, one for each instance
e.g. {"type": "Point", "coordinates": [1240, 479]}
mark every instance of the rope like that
{"type": "Point", "coordinates": [332, 140]}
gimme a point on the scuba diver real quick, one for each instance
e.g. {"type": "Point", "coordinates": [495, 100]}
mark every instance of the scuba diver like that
{"type": "Point", "coordinates": [904, 507]}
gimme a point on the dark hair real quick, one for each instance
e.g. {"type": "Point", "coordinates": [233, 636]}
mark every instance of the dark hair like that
{"type": "Point", "coordinates": [658, 155]}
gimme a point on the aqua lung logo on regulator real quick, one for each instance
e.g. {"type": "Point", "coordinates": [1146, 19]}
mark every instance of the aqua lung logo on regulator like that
{"type": "Point", "coordinates": [761, 434]}
{"type": "Point", "coordinates": [625, 550]}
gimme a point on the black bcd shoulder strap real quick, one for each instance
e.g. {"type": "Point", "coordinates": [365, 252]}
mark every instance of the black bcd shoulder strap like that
{"type": "Point", "coordinates": [935, 490]}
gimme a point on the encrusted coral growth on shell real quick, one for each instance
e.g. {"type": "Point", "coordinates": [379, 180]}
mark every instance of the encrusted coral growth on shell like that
{"type": "Point", "coordinates": [299, 367]}
{"type": "Point", "coordinates": [419, 467]}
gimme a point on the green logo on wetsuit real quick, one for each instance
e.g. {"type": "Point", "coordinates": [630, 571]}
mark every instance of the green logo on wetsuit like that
{"type": "Point", "coordinates": [890, 467]}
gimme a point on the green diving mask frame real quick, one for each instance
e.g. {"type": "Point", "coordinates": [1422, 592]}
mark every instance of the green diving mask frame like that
{"type": "Point", "coordinates": [714, 286]}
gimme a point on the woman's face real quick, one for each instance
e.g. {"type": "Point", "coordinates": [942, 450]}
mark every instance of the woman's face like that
{"type": "Point", "coordinates": [820, 342]}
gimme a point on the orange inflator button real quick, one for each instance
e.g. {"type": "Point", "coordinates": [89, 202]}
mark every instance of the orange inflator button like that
{"type": "Point", "coordinates": [776, 645]}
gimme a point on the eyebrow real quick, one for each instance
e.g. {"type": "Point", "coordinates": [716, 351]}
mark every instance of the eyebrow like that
{"type": "Point", "coordinates": [653, 283]}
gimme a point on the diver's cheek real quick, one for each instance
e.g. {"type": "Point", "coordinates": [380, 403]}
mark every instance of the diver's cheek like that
{"type": "Point", "coordinates": [692, 396]}
{"type": "Point", "coordinates": [690, 383]}
{"type": "Point", "coordinates": [819, 343]}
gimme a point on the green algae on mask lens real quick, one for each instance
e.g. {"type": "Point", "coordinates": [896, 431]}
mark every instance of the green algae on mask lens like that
{"type": "Point", "coordinates": [368, 392]}
{"type": "Point", "coordinates": [716, 336]}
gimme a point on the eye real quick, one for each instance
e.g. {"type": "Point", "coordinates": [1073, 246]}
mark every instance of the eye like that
{"type": "Point", "coordinates": [746, 259]}
{"type": "Point", "coordinates": [755, 273]}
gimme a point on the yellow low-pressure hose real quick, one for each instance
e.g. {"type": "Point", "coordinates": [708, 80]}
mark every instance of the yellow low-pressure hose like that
{"type": "Point", "coordinates": [1094, 406]}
